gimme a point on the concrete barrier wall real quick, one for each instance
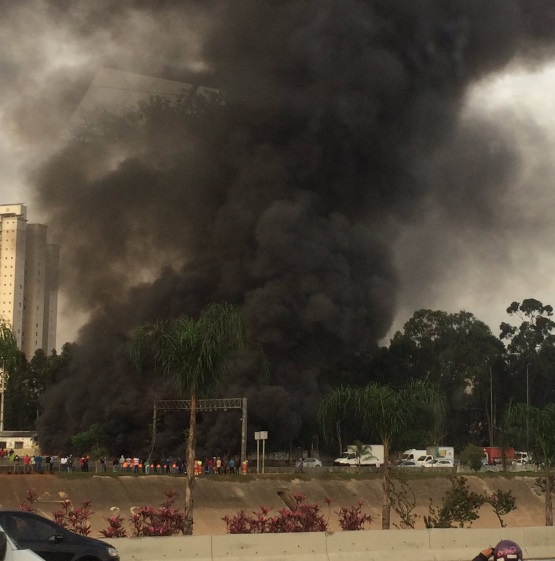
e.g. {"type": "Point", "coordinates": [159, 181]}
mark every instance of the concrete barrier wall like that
{"type": "Point", "coordinates": [371, 545]}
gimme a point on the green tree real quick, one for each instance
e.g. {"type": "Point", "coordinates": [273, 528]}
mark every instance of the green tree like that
{"type": "Point", "coordinates": [90, 441]}
{"type": "Point", "coordinates": [27, 384]}
{"type": "Point", "coordinates": [537, 426]}
{"type": "Point", "coordinates": [361, 450]}
{"type": "Point", "coordinates": [194, 353]}
{"type": "Point", "coordinates": [384, 412]}
{"type": "Point", "coordinates": [459, 505]}
{"type": "Point", "coordinates": [502, 503]}
{"type": "Point", "coordinates": [531, 352]}
{"type": "Point", "coordinates": [455, 352]}
{"type": "Point", "coordinates": [9, 359]}
{"type": "Point", "coordinates": [472, 456]}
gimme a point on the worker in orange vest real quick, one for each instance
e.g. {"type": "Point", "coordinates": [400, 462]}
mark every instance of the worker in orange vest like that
{"type": "Point", "coordinates": [244, 466]}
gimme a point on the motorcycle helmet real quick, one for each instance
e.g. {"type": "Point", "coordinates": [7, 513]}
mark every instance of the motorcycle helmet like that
{"type": "Point", "coordinates": [507, 550]}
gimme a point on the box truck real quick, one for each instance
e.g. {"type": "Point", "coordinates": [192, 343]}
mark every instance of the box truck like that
{"type": "Point", "coordinates": [372, 456]}
{"type": "Point", "coordinates": [496, 454]}
{"type": "Point", "coordinates": [412, 454]}
{"type": "Point", "coordinates": [435, 453]}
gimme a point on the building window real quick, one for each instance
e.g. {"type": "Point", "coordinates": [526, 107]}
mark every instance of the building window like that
{"type": "Point", "coordinates": [18, 445]}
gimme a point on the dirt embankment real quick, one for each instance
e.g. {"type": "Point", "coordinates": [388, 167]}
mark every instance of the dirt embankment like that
{"type": "Point", "coordinates": [218, 496]}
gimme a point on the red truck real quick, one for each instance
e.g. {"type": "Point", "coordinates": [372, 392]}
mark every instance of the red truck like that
{"type": "Point", "coordinates": [494, 455]}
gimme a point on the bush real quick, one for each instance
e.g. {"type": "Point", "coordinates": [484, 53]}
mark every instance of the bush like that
{"type": "Point", "coordinates": [472, 457]}
{"type": "Point", "coordinates": [115, 528]}
{"type": "Point", "coordinates": [460, 505]}
{"type": "Point", "coordinates": [163, 521]}
{"type": "Point", "coordinates": [352, 517]}
{"type": "Point", "coordinates": [76, 520]}
{"type": "Point", "coordinates": [302, 518]}
{"type": "Point", "coordinates": [502, 503]}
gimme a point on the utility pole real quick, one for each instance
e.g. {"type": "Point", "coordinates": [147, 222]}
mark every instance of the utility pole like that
{"type": "Point", "coordinates": [490, 407]}
{"type": "Point", "coordinates": [527, 408]}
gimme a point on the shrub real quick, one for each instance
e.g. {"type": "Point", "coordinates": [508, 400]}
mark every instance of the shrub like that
{"type": "Point", "coordinates": [115, 528]}
{"type": "Point", "coordinates": [403, 502]}
{"type": "Point", "coordinates": [162, 521]}
{"type": "Point", "coordinates": [352, 517]}
{"type": "Point", "coordinates": [472, 457]}
{"type": "Point", "coordinates": [76, 520]}
{"type": "Point", "coordinates": [460, 505]}
{"type": "Point", "coordinates": [502, 503]}
{"type": "Point", "coordinates": [302, 518]}
{"type": "Point", "coordinates": [31, 499]}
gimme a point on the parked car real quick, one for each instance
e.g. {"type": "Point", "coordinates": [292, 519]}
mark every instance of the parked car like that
{"type": "Point", "coordinates": [10, 552]}
{"type": "Point", "coordinates": [408, 464]}
{"type": "Point", "coordinates": [441, 462]}
{"type": "Point", "coordinates": [51, 541]}
{"type": "Point", "coordinates": [312, 463]}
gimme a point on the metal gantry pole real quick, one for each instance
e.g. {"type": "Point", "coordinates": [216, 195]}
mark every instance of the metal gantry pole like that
{"type": "Point", "coordinates": [244, 430]}
{"type": "Point", "coordinates": [219, 404]}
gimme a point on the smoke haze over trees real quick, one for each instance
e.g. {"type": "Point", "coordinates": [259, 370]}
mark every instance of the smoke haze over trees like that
{"type": "Point", "coordinates": [338, 124]}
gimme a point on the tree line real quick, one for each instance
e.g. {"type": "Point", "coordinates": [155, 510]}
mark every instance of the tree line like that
{"type": "Point", "coordinates": [479, 374]}
{"type": "Point", "coordinates": [444, 379]}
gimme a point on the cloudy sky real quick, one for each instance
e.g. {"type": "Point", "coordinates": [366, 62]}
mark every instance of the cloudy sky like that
{"type": "Point", "coordinates": [485, 273]}
{"type": "Point", "coordinates": [479, 272]}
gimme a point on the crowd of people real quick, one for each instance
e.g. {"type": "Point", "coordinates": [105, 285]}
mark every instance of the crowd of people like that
{"type": "Point", "coordinates": [212, 465]}
{"type": "Point", "coordinates": [28, 463]}
{"type": "Point", "coordinates": [124, 464]}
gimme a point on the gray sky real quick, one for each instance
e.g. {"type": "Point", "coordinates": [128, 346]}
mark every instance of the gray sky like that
{"type": "Point", "coordinates": [479, 273]}
{"type": "Point", "coordinates": [485, 274]}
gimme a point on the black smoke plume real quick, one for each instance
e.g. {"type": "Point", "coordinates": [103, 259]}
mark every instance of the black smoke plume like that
{"type": "Point", "coordinates": [339, 121]}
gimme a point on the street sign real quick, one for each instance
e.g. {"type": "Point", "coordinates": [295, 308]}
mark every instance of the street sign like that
{"type": "Point", "coordinates": [260, 435]}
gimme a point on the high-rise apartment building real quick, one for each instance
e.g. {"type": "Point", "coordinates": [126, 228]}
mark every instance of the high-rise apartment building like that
{"type": "Point", "coordinates": [28, 280]}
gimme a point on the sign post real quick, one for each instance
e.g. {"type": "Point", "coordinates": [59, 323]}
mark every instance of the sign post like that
{"type": "Point", "coordinates": [258, 436]}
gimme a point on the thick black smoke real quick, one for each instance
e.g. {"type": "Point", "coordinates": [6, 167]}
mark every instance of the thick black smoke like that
{"type": "Point", "coordinates": [340, 121]}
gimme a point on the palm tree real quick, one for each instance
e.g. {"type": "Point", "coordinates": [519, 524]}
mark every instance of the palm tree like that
{"type": "Point", "coordinates": [382, 410]}
{"type": "Point", "coordinates": [360, 451]}
{"type": "Point", "coordinates": [194, 353]}
{"type": "Point", "coordinates": [537, 427]}
{"type": "Point", "coordinates": [334, 408]}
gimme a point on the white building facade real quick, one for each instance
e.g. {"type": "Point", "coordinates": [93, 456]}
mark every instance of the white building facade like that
{"type": "Point", "coordinates": [28, 280]}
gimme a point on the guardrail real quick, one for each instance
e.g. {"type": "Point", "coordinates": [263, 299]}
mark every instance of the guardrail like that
{"type": "Point", "coordinates": [537, 543]}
